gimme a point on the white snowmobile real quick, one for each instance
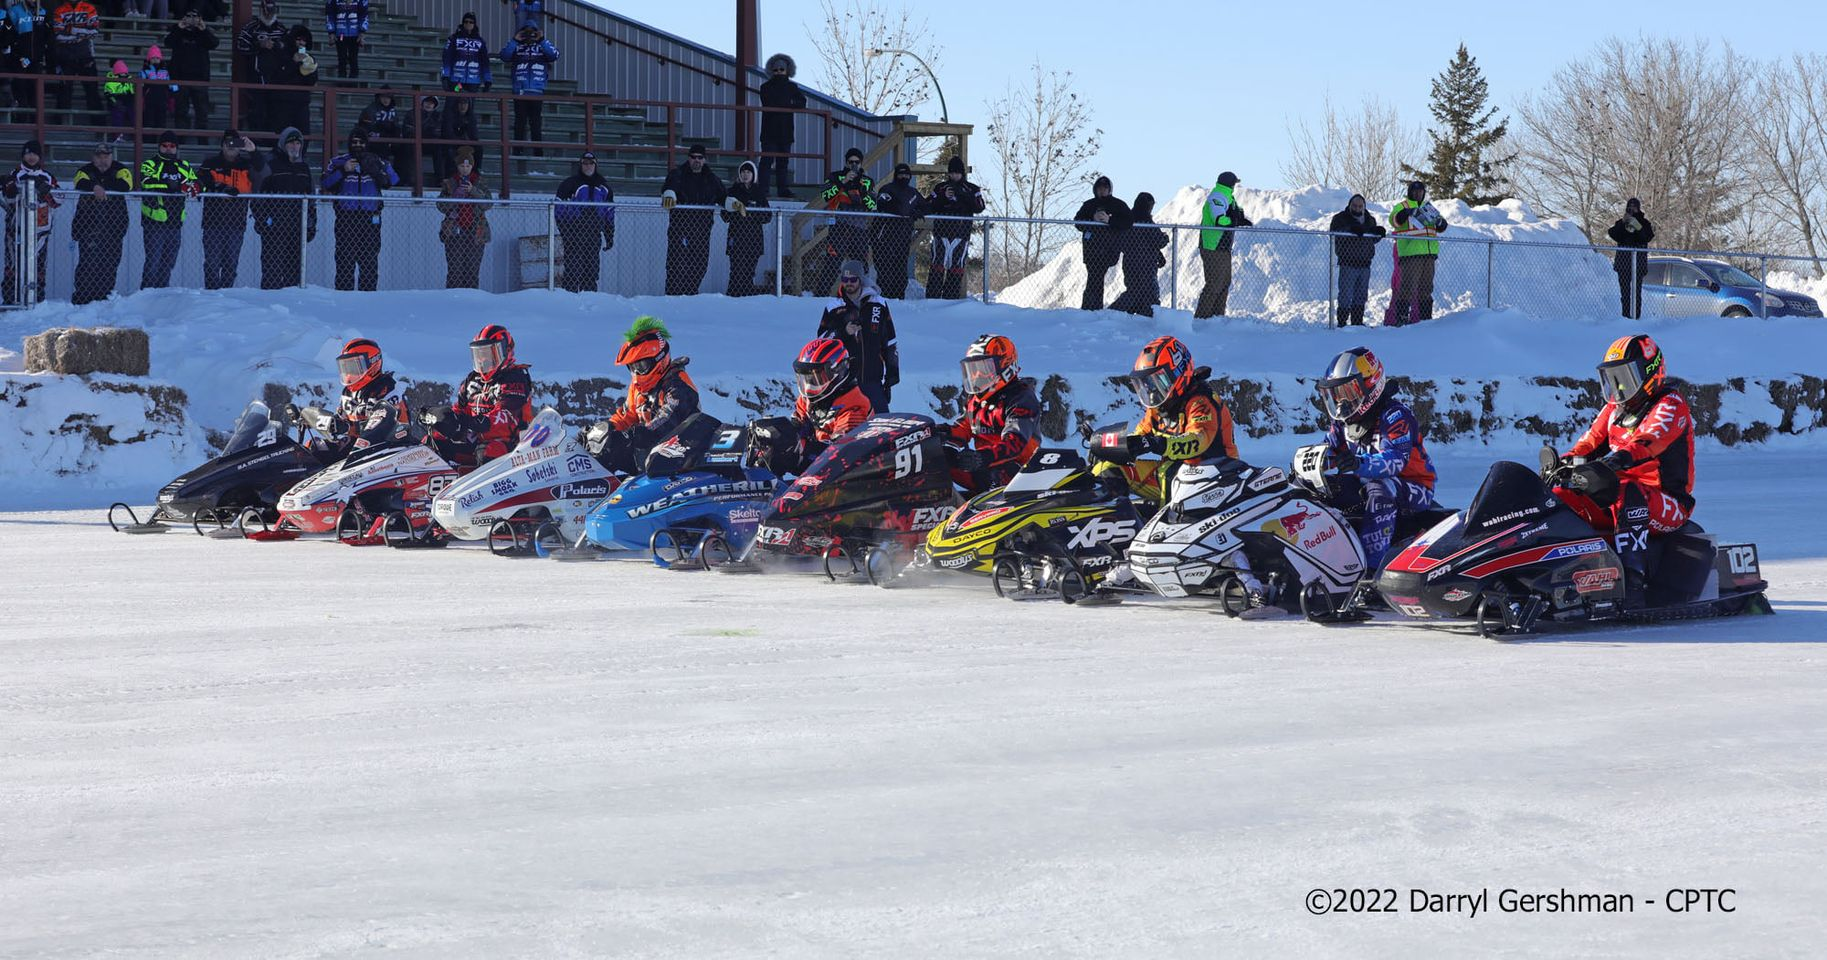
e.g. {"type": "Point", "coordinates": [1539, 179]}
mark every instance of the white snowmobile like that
{"type": "Point", "coordinates": [531, 500]}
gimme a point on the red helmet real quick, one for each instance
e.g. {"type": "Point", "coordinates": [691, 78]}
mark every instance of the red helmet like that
{"type": "Point", "coordinates": [1352, 384]}
{"type": "Point", "coordinates": [645, 352]}
{"type": "Point", "coordinates": [989, 362]}
{"type": "Point", "coordinates": [823, 369]}
{"type": "Point", "coordinates": [492, 350]}
{"type": "Point", "coordinates": [1162, 372]}
{"type": "Point", "coordinates": [359, 363]}
{"type": "Point", "coordinates": [1632, 372]}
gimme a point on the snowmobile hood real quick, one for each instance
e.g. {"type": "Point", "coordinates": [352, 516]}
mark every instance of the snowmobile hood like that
{"type": "Point", "coordinates": [549, 471]}
{"type": "Point", "coordinates": [886, 479]}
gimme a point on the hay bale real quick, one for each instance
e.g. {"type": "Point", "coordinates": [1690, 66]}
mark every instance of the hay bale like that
{"type": "Point", "coordinates": [76, 351]}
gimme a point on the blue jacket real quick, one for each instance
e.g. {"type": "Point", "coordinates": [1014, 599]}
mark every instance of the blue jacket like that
{"type": "Point", "coordinates": [531, 64]}
{"type": "Point", "coordinates": [370, 178]}
{"type": "Point", "coordinates": [1387, 443]}
{"type": "Point", "coordinates": [466, 60]}
{"type": "Point", "coordinates": [346, 18]}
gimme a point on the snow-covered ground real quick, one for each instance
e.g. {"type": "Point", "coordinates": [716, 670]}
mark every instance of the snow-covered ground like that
{"type": "Point", "coordinates": [231, 749]}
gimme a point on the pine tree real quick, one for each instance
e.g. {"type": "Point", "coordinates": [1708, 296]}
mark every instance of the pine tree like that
{"type": "Point", "coordinates": [1467, 133]}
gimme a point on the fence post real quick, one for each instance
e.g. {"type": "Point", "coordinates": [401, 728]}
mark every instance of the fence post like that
{"type": "Point", "coordinates": [1332, 284]}
{"type": "Point", "coordinates": [552, 246]}
{"type": "Point", "coordinates": [305, 209]}
{"type": "Point", "coordinates": [1490, 256]}
{"type": "Point", "coordinates": [986, 261]}
{"type": "Point", "coordinates": [1763, 286]}
{"type": "Point", "coordinates": [1173, 268]}
{"type": "Point", "coordinates": [780, 253]}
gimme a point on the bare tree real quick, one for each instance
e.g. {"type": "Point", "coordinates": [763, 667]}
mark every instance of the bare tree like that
{"type": "Point", "coordinates": [1657, 119]}
{"type": "Point", "coordinates": [1363, 152]}
{"type": "Point", "coordinates": [885, 85]}
{"type": "Point", "coordinates": [1044, 143]}
{"type": "Point", "coordinates": [1788, 146]}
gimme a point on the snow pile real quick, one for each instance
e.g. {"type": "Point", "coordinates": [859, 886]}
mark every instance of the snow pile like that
{"type": "Point", "coordinates": [1788, 282]}
{"type": "Point", "coordinates": [1288, 277]}
{"type": "Point", "coordinates": [74, 439]}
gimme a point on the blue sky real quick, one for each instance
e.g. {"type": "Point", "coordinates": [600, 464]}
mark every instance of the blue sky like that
{"type": "Point", "coordinates": [1185, 89]}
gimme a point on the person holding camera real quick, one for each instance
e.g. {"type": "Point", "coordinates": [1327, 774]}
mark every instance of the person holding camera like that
{"type": "Point", "coordinates": [227, 177]}
{"type": "Point", "coordinates": [188, 47]}
{"type": "Point", "coordinates": [851, 191]}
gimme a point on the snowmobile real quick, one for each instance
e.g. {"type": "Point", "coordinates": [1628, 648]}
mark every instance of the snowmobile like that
{"type": "Point", "coordinates": [379, 494]}
{"type": "Point", "coordinates": [258, 464]}
{"type": "Point", "coordinates": [538, 493]}
{"type": "Point", "coordinates": [864, 505]}
{"type": "Point", "coordinates": [1244, 536]}
{"type": "Point", "coordinates": [1518, 557]}
{"type": "Point", "coordinates": [1054, 531]}
{"type": "Point", "coordinates": [697, 503]}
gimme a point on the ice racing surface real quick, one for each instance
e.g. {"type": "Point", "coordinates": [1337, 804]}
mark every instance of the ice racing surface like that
{"type": "Point", "coordinates": [234, 749]}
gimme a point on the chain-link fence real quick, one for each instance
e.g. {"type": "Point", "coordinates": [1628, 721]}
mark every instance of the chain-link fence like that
{"type": "Point", "coordinates": [88, 248]}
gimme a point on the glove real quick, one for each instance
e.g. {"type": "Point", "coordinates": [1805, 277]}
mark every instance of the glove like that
{"type": "Point", "coordinates": [435, 416]}
{"type": "Point", "coordinates": [668, 200]}
{"type": "Point", "coordinates": [289, 414]}
{"type": "Point", "coordinates": [738, 208]}
{"type": "Point", "coordinates": [597, 437]}
{"type": "Point", "coordinates": [1345, 460]}
{"type": "Point", "coordinates": [966, 459]}
{"type": "Point", "coordinates": [191, 189]}
{"type": "Point", "coordinates": [1150, 443]}
{"type": "Point", "coordinates": [1618, 461]}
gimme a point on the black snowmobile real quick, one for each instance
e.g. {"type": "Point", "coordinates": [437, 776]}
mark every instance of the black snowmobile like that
{"type": "Point", "coordinates": [1519, 557]}
{"type": "Point", "coordinates": [258, 464]}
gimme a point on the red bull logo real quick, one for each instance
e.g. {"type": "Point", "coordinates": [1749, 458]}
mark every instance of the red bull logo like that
{"type": "Point", "coordinates": [1289, 526]}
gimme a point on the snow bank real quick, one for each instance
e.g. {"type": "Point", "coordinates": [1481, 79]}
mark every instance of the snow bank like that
{"type": "Point", "coordinates": [1494, 377]}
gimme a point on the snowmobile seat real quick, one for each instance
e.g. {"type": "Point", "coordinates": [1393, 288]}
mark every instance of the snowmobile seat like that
{"type": "Point", "coordinates": [1678, 564]}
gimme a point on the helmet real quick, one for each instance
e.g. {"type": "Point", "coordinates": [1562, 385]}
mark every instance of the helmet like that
{"type": "Point", "coordinates": [989, 362]}
{"type": "Point", "coordinates": [492, 349]}
{"type": "Point", "coordinates": [1162, 371]}
{"type": "Point", "coordinates": [1352, 384]}
{"type": "Point", "coordinates": [359, 363]}
{"type": "Point", "coordinates": [823, 369]}
{"type": "Point", "coordinates": [645, 352]}
{"type": "Point", "coordinates": [1632, 372]}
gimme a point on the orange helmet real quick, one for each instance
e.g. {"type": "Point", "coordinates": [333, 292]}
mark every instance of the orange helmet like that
{"type": "Point", "coordinates": [646, 352]}
{"type": "Point", "coordinates": [989, 362]}
{"type": "Point", "coordinates": [492, 350]}
{"type": "Point", "coordinates": [823, 369]}
{"type": "Point", "coordinates": [359, 363]}
{"type": "Point", "coordinates": [1162, 372]}
{"type": "Point", "coordinates": [1632, 372]}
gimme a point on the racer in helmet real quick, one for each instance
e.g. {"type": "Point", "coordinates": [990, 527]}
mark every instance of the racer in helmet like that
{"type": "Point", "coordinates": [1644, 436]}
{"type": "Point", "coordinates": [829, 406]}
{"type": "Point", "coordinates": [1184, 421]}
{"type": "Point", "coordinates": [661, 397]}
{"type": "Point", "coordinates": [370, 410]}
{"type": "Point", "coordinates": [494, 403]}
{"type": "Point", "coordinates": [1000, 428]}
{"type": "Point", "coordinates": [1377, 440]}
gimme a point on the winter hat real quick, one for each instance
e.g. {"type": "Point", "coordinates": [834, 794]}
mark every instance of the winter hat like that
{"type": "Point", "coordinates": [589, 155]}
{"type": "Point", "coordinates": [1227, 179]}
{"type": "Point", "coordinates": [467, 18]}
{"type": "Point", "coordinates": [902, 168]}
{"type": "Point", "coordinates": [432, 101]}
{"type": "Point", "coordinates": [169, 136]}
{"type": "Point", "coordinates": [697, 150]}
{"type": "Point", "coordinates": [782, 59]}
{"type": "Point", "coordinates": [120, 66]}
{"type": "Point", "coordinates": [358, 135]}
{"type": "Point", "coordinates": [1416, 190]}
{"type": "Point", "coordinates": [853, 154]}
{"type": "Point", "coordinates": [466, 153]}
{"type": "Point", "coordinates": [748, 165]}
{"type": "Point", "coordinates": [955, 165]}
{"type": "Point", "coordinates": [106, 146]}
{"type": "Point", "coordinates": [851, 268]}
{"type": "Point", "coordinates": [231, 137]}
{"type": "Point", "coordinates": [289, 135]}
{"type": "Point", "coordinates": [32, 146]}
{"type": "Point", "coordinates": [154, 53]}
{"type": "Point", "coordinates": [1101, 183]}
{"type": "Point", "coordinates": [1633, 204]}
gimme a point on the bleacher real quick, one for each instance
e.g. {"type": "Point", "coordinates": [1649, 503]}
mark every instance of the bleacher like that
{"type": "Point", "coordinates": [401, 53]}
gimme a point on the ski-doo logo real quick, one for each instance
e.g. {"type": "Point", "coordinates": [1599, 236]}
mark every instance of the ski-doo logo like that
{"type": "Point", "coordinates": [588, 490]}
{"type": "Point", "coordinates": [542, 473]}
{"type": "Point", "coordinates": [579, 464]}
{"type": "Point", "coordinates": [1100, 530]}
{"type": "Point", "coordinates": [1579, 549]}
{"type": "Point", "coordinates": [503, 487]}
{"type": "Point", "coordinates": [1507, 517]}
{"type": "Point", "coordinates": [1595, 581]}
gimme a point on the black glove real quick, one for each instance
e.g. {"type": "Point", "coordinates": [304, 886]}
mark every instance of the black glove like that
{"type": "Point", "coordinates": [1618, 461]}
{"type": "Point", "coordinates": [1345, 460]}
{"type": "Point", "coordinates": [966, 459]}
{"type": "Point", "coordinates": [290, 413]}
{"type": "Point", "coordinates": [1151, 443]}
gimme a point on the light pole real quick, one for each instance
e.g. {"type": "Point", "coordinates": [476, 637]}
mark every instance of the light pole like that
{"type": "Point", "coordinates": [944, 115]}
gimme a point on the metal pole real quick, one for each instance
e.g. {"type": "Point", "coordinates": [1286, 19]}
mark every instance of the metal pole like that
{"type": "Point", "coordinates": [1763, 286]}
{"type": "Point", "coordinates": [304, 235]}
{"type": "Point", "coordinates": [1490, 256]}
{"type": "Point", "coordinates": [1332, 285]}
{"type": "Point", "coordinates": [986, 260]}
{"type": "Point", "coordinates": [552, 246]}
{"type": "Point", "coordinates": [1173, 268]}
{"type": "Point", "coordinates": [780, 251]}
{"type": "Point", "coordinates": [29, 219]}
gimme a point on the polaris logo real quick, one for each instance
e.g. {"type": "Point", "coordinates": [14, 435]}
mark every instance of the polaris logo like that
{"type": "Point", "coordinates": [1575, 549]}
{"type": "Point", "coordinates": [1099, 530]}
{"type": "Point", "coordinates": [588, 490]}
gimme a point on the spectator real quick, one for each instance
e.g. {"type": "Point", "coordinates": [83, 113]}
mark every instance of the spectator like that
{"type": "Point", "coordinates": [745, 213]}
{"type": "Point", "coordinates": [459, 124]}
{"type": "Point", "coordinates": [285, 226]}
{"type": "Point", "coordinates": [29, 51]}
{"type": "Point", "coordinates": [157, 89]}
{"type": "Point", "coordinates": [952, 197]}
{"type": "Point", "coordinates": [858, 316]}
{"type": "Point", "coordinates": [529, 58]}
{"type": "Point", "coordinates": [259, 49]}
{"type": "Point", "coordinates": [76, 25]}
{"type": "Point", "coordinates": [847, 191]}
{"type": "Point", "coordinates": [155, 9]}
{"type": "Point", "coordinates": [688, 231]}
{"type": "Point", "coordinates": [1221, 217]}
{"type": "Point", "coordinates": [465, 67]}
{"type": "Point", "coordinates": [586, 224]}
{"type": "Point", "coordinates": [227, 177]}
{"type": "Point", "coordinates": [1140, 245]}
{"type": "Point", "coordinates": [1416, 224]}
{"type": "Point", "coordinates": [1101, 221]}
{"type": "Point", "coordinates": [894, 235]}
{"type": "Point", "coordinates": [32, 185]}
{"type": "Point", "coordinates": [189, 44]}
{"type": "Point", "coordinates": [171, 181]}
{"type": "Point", "coordinates": [100, 224]}
{"type": "Point", "coordinates": [386, 126]}
{"type": "Point", "coordinates": [356, 178]}
{"type": "Point", "coordinates": [1354, 242]}
{"type": "Point", "coordinates": [345, 22]}
{"type": "Point", "coordinates": [289, 104]}
{"type": "Point", "coordinates": [780, 93]}
{"type": "Point", "coordinates": [1632, 233]}
{"type": "Point", "coordinates": [117, 95]}
{"type": "Point", "coordinates": [430, 121]}
{"type": "Point", "coordinates": [529, 13]}
{"type": "Point", "coordinates": [464, 231]}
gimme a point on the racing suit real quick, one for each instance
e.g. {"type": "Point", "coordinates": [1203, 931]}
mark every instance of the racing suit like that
{"type": "Point", "coordinates": [1393, 476]}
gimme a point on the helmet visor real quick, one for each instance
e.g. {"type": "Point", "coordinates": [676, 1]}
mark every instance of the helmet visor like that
{"type": "Point", "coordinates": [1342, 397]}
{"type": "Point", "coordinates": [352, 366]}
{"type": "Point", "coordinates": [644, 366]}
{"type": "Point", "coordinates": [1152, 386]}
{"type": "Point", "coordinates": [981, 374]}
{"type": "Point", "coordinates": [1621, 380]}
{"type": "Point", "coordinates": [486, 355]}
{"type": "Point", "coordinates": [814, 381]}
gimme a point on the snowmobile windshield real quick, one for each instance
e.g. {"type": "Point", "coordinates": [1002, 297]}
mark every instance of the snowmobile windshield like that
{"type": "Point", "coordinates": [1343, 397]}
{"type": "Point", "coordinates": [486, 355]}
{"type": "Point", "coordinates": [250, 429]}
{"type": "Point", "coordinates": [1621, 380]}
{"type": "Point", "coordinates": [352, 366]}
{"type": "Point", "coordinates": [980, 374]}
{"type": "Point", "coordinates": [1152, 386]}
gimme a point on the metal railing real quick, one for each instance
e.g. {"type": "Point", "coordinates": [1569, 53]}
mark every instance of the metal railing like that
{"type": "Point", "coordinates": [501, 244]}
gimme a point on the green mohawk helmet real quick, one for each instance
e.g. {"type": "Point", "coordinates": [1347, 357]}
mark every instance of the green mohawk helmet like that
{"type": "Point", "coordinates": [644, 326]}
